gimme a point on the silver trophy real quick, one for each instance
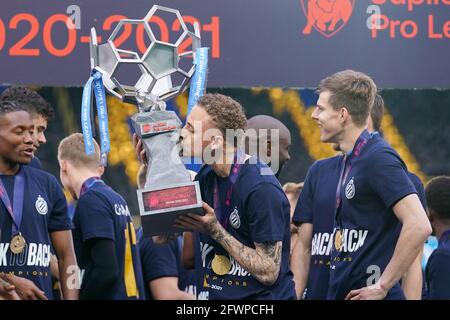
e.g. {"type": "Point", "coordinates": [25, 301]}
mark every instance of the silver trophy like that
{"type": "Point", "coordinates": [168, 190]}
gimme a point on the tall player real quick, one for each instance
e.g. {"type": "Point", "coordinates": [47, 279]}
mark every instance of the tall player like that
{"type": "Point", "coordinates": [374, 196]}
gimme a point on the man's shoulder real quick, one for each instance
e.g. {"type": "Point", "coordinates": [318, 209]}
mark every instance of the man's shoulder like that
{"type": "Point", "coordinates": [101, 201]}
{"type": "Point", "coordinates": [204, 171]}
{"type": "Point", "coordinates": [326, 163]}
{"type": "Point", "coordinates": [378, 151]}
{"type": "Point", "coordinates": [322, 170]}
{"type": "Point", "coordinates": [256, 176]}
{"type": "Point", "coordinates": [377, 145]}
{"type": "Point", "coordinates": [252, 173]}
{"type": "Point", "coordinates": [440, 258]}
{"type": "Point", "coordinates": [255, 171]}
{"type": "Point", "coordinates": [41, 176]}
{"type": "Point", "coordinates": [100, 192]}
{"type": "Point", "coordinates": [415, 180]}
{"type": "Point", "coordinates": [441, 252]}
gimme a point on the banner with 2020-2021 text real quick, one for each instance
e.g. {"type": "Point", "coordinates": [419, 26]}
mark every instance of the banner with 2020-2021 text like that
{"type": "Point", "coordinates": [288, 43]}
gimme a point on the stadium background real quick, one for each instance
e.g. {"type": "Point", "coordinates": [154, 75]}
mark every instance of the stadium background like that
{"type": "Point", "coordinates": [416, 123]}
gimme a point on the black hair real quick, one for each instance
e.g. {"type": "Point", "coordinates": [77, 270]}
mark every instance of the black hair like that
{"type": "Point", "coordinates": [437, 193]}
{"type": "Point", "coordinates": [29, 99]}
{"type": "Point", "coordinates": [10, 106]}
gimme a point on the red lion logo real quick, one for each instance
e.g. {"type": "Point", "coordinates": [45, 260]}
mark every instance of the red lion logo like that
{"type": "Point", "coordinates": [325, 15]}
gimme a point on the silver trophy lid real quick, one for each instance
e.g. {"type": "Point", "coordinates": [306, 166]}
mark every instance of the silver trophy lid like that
{"type": "Point", "coordinates": [159, 66]}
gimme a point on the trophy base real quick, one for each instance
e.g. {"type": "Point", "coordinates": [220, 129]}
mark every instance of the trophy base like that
{"type": "Point", "coordinates": [159, 207]}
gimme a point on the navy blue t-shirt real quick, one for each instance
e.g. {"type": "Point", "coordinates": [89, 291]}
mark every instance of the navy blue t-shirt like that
{"type": "Point", "coordinates": [103, 213]}
{"type": "Point", "coordinates": [316, 205]}
{"type": "Point", "coordinates": [378, 179]}
{"type": "Point", "coordinates": [438, 270]}
{"type": "Point", "coordinates": [419, 188]}
{"type": "Point", "coordinates": [44, 211]}
{"type": "Point", "coordinates": [164, 260]}
{"type": "Point", "coordinates": [261, 214]}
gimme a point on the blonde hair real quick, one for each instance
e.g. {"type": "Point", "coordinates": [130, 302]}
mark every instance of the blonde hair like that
{"type": "Point", "coordinates": [72, 149]}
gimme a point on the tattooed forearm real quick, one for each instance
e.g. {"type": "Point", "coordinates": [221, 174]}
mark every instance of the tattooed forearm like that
{"type": "Point", "coordinates": [271, 250]}
{"type": "Point", "coordinates": [263, 262]}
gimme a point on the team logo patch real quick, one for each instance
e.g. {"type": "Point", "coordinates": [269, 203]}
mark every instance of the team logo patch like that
{"type": "Point", "coordinates": [41, 205]}
{"type": "Point", "coordinates": [350, 189]}
{"type": "Point", "coordinates": [235, 220]}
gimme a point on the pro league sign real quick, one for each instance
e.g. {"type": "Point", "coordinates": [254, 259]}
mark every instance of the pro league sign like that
{"type": "Point", "coordinates": [288, 43]}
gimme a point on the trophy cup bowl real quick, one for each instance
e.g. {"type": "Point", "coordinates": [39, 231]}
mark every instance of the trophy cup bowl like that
{"type": "Point", "coordinates": [168, 191]}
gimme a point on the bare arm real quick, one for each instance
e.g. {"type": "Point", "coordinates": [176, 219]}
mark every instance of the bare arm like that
{"type": "Point", "coordinates": [166, 288]}
{"type": "Point", "coordinates": [62, 242]}
{"type": "Point", "coordinates": [54, 269]}
{"type": "Point", "coordinates": [263, 262]}
{"type": "Point", "coordinates": [416, 228]}
{"type": "Point", "coordinates": [413, 280]}
{"type": "Point", "coordinates": [301, 256]}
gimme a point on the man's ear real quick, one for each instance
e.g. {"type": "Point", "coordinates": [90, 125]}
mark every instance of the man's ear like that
{"type": "Point", "coordinates": [63, 165]}
{"type": "Point", "coordinates": [101, 171]}
{"type": "Point", "coordinates": [343, 113]}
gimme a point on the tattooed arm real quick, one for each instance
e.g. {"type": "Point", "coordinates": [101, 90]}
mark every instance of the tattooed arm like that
{"type": "Point", "coordinates": [263, 262]}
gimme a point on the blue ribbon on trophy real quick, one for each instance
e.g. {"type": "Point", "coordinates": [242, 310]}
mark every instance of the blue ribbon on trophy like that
{"type": "Point", "coordinates": [197, 89]}
{"type": "Point", "coordinates": [198, 82]}
{"type": "Point", "coordinates": [95, 83]}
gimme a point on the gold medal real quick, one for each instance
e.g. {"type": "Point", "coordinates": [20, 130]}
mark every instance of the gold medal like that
{"type": "Point", "coordinates": [17, 244]}
{"type": "Point", "coordinates": [338, 240]}
{"type": "Point", "coordinates": [221, 265]}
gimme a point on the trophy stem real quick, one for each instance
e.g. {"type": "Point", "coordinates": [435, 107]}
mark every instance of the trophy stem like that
{"type": "Point", "coordinates": [164, 163]}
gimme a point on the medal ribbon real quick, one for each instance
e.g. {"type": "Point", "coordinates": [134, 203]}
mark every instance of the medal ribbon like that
{"type": "Point", "coordinates": [19, 188]}
{"type": "Point", "coordinates": [346, 167]}
{"type": "Point", "coordinates": [89, 183]}
{"type": "Point", "coordinates": [219, 207]}
{"type": "Point", "coordinates": [223, 216]}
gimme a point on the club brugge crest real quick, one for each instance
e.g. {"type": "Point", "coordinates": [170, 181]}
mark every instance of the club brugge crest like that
{"type": "Point", "coordinates": [41, 205]}
{"type": "Point", "coordinates": [328, 17]}
{"type": "Point", "coordinates": [350, 189]}
{"type": "Point", "coordinates": [235, 220]}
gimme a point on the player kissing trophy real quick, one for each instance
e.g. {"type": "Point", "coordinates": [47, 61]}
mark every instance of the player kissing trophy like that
{"type": "Point", "coordinates": [168, 191]}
